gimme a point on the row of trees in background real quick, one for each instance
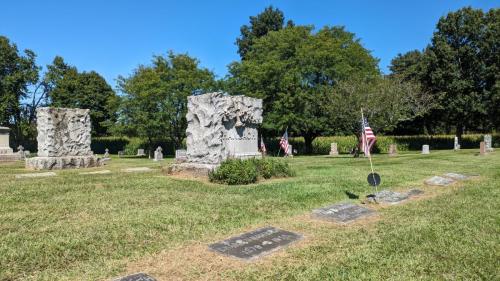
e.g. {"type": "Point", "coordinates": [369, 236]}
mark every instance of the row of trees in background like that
{"type": "Point", "coordinates": [312, 81]}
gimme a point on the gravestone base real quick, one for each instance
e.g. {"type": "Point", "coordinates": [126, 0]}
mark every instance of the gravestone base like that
{"type": "Point", "coordinates": [193, 169]}
{"type": "Point", "coordinates": [64, 162]}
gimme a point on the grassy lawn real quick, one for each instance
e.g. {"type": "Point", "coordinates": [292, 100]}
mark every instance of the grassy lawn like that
{"type": "Point", "coordinates": [92, 227]}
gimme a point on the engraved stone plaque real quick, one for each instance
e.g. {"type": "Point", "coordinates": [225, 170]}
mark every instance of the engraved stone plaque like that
{"type": "Point", "coordinates": [255, 244]}
{"type": "Point", "coordinates": [342, 212]}
{"type": "Point", "coordinates": [440, 181]}
{"type": "Point", "coordinates": [387, 196]}
{"type": "Point", "coordinates": [136, 277]}
{"type": "Point", "coordinates": [456, 176]}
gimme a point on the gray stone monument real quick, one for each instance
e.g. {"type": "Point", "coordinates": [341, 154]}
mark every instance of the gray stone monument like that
{"type": "Point", "coordinates": [63, 139]}
{"type": "Point", "coordinates": [456, 146]}
{"type": "Point", "coordinates": [482, 148]}
{"type": "Point", "coordinates": [158, 154]}
{"type": "Point", "coordinates": [333, 149]}
{"type": "Point", "coordinates": [393, 150]}
{"type": "Point", "coordinates": [425, 149]}
{"type": "Point", "coordinates": [220, 126]}
{"type": "Point", "coordinates": [6, 153]}
{"type": "Point", "coordinates": [140, 152]}
{"type": "Point", "coordinates": [289, 153]}
{"type": "Point", "coordinates": [180, 155]}
{"type": "Point", "coordinates": [488, 141]}
{"type": "Point", "coordinates": [106, 153]}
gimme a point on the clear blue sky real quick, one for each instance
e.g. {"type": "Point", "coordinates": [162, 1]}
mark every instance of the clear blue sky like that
{"type": "Point", "coordinates": [113, 37]}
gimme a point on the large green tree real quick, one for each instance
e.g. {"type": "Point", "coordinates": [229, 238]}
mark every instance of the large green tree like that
{"type": "Point", "coordinates": [69, 88]}
{"type": "Point", "coordinates": [294, 71]}
{"type": "Point", "coordinates": [154, 104]}
{"type": "Point", "coordinates": [268, 20]}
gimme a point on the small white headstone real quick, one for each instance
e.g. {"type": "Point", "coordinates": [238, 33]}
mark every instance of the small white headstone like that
{"type": "Point", "coordinates": [158, 154]}
{"type": "Point", "coordinates": [106, 153]}
{"type": "Point", "coordinates": [456, 146]}
{"type": "Point", "coordinates": [334, 149]}
{"type": "Point", "coordinates": [140, 152]}
{"type": "Point", "coordinates": [425, 149]}
{"type": "Point", "coordinates": [180, 155]}
{"type": "Point", "coordinates": [488, 142]}
{"type": "Point", "coordinates": [289, 153]}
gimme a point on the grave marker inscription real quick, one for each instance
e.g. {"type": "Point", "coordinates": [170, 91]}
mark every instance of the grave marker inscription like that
{"type": "Point", "coordinates": [136, 277]}
{"type": "Point", "coordinates": [254, 244]}
{"type": "Point", "coordinates": [342, 212]}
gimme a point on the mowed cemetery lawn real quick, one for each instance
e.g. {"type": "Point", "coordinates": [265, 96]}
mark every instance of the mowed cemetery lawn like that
{"type": "Point", "coordinates": [99, 227]}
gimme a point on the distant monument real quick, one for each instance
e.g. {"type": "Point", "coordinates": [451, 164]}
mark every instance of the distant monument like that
{"type": "Point", "coordinates": [488, 142]}
{"type": "Point", "coordinates": [220, 126]}
{"type": "Point", "coordinates": [63, 139]}
{"type": "Point", "coordinates": [456, 145]}
{"type": "Point", "coordinates": [425, 149]}
{"type": "Point", "coordinates": [482, 148]}
{"type": "Point", "coordinates": [393, 150]}
{"type": "Point", "coordinates": [334, 149]}
{"type": "Point", "coordinates": [6, 153]}
{"type": "Point", "coordinates": [158, 154]}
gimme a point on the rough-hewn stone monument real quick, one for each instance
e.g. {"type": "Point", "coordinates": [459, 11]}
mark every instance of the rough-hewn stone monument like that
{"type": "Point", "coordinates": [220, 126]}
{"type": "Point", "coordinates": [63, 139]}
{"type": "Point", "coordinates": [6, 153]}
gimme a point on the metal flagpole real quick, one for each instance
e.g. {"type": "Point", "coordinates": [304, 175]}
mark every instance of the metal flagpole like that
{"type": "Point", "coordinates": [365, 148]}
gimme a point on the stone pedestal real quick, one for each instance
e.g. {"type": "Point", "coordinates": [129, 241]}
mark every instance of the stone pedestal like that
{"type": "Point", "coordinates": [63, 139]}
{"type": "Point", "coordinates": [393, 150]}
{"type": "Point", "coordinates": [6, 153]}
{"type": "Point", "coordinates": [425, 149]}
{"type": "Point", "coordinates": [220, 127]}
{"type": "Point", "coordinates": [333, 149]}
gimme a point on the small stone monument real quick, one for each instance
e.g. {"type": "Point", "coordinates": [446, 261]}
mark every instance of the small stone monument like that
{"type": "Point", "coordinates": [121, 153]}
{"type": "Point", "coordinates": [219, 126]}
{"type": "Point", "coordinates": [63, 139]}
{"type": "Point", "coordinates": [482, 148]}
{"type": "Point", "coordinates": [158, 154]}
{"type": "Point", "coordinates": [6, 153]}
{"type": "Point", "coordinates": [106, 154]}
{"type": "Point", "coordinates": [289, 153]}
{"type": "Point", "coordinates": [488, 142]}
{"type": "Point", "coordinates": [140, 152]}
{"type": "Point", "coordinates": [20, 151]}
{"type": "Point", "coordinates": [393, 150]}
{"type": "Point", "coordinates": [180, 155]}
{"type": "Point", "coordinates": [333, 149]}
{"type": "Point", "coordinates": [425, 149]}
{"type": "Point", "coordinates": [456, 146]}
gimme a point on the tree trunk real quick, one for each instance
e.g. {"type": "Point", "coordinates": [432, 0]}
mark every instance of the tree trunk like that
{"type": "Point", "coordinates": [308, 139]}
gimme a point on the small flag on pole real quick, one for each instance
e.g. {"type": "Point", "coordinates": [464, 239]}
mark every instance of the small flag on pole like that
{"type": "Point", "coordinates": [263, 149]}
{"type": "Point", "coordinates": [284, 142]}
{"type": "Point", "coordinates": [367, 137]}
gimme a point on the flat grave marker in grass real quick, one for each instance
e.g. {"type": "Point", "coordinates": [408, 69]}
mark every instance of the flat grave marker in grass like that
{"type": "Point", "coordinates": [102, 172]}
{"type": "Point", "coordinates": [414, 192]}
{"type": "Point", "coordinates": [391, 197]}
{"type": "Point", "coordinates": [255, 244]}
{"type": "Point", "coordinates": [136, 277]}
{"type": "Point", "coordinates": [455, 176]}
{"type": "Point", "coordinates": [137, 169]}
{"type": "Point", "coordinates": [342, 212]}
{"type": "Point", "coordinates": [439, 181]}
{"type": "Point", "coordinates": [36, 175]}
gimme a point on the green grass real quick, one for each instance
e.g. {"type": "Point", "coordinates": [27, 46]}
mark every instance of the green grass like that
{"type": "Point", "coordinates": [88, 227]}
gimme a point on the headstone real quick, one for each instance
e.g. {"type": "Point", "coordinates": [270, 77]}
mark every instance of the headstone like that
{"type": "Point", "coordinates": [36, 175]}
{"type": "Point", "coordinates": [180, 155]}
{"type": "Point", "coordinates": [334, 149]}
{"type": "Point", "coordinates": [121, 153]}
{"type": "Point", "coordinates": [140, 152]}
{"type": "Point", "coordinates": [20, 151]}
{"type": "Point", "coordinates": [414, 192]}
{"type": "Point", "coordinates": [342, 212]}
{"type": "Point", "coordinates": [136, 277]}
{"type": "Point", "coordinates": [106, 153]}
{"type": "Point", "coordinates": [439, 181]}
{"type": "Point", "coordinates": [482, 148]}
{"type": "Point", "coordinates": [488, 142]}
{"type": "Point", "coordinates": [425, 149]}
{"type": "Point", "coordinates": [64, 136]}
{"type": "Point", "coordinates": [456, 146]}
{"type": "Point", "coordinates": [220, 126]}
{"type": "Point", "coordinates": [391, 197]}
{"type": "Point", "coordinates": [289, 153]}
{"type": "Point", "coordinates": [393, 150]}
{"type": "Point", "coordinates": [158, 154]}
{"type": "Point", "coordinates": [6, 153]}
{"type": "Point", "coordinates": [255, 244]}
{"type": "Point", "coordinates": [456, 176]}
{"type": "Point", "coordinates": [137, 169]}
{"type": "Point", "coordinates": [102, 172]}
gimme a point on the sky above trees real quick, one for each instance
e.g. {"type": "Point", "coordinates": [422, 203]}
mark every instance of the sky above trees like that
{"type": "Point", "coordinates": [112, 37]}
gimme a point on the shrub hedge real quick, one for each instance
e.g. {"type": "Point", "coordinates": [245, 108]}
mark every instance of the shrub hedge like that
{"type": "Point", "coordinates": [321, 145]}
{"type": "Point", "coordinates": [237, 171]}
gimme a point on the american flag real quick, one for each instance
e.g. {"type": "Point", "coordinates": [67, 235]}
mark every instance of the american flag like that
{"type": "Point", "coordinates": [262, 145]}
{"type": "Point", "coordinates": [367, 137]}
{"type": "Point", "coordinates": [284, 142]}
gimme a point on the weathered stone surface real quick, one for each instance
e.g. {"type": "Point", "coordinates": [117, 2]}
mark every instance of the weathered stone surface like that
{"type": "Point", "coordinates": [342, 212]}
{"type": "Point", "coordinates": [6, 153]}
{"type": "Point", "coordinates": [482, 148]}
{"type": "Point", "coordinates": [414, 192]}
{"type": "Point", "coordinates": [456, 176]}
{"type": "Point", "coordinates": [58, 163]}
{"type": "Point", "coordinates": [393, 150]}
{"type": "Point", "coordinates": [36, 175]}
{"type": "Point", "coordinates": [488, 143]}
{"type": "Point", "coordinates": [334, 149]}
{"type": "Point", "coordinates": [456, 145]}
{"type": "Point", "coordinates": [255, 244]}
{"type": "Point", "coordinates": [102, 172]}
{"type": "Point", "coordinates": [158, 154]}
{"type": "Point", "coordinates": [63, 139]}
{"type": "Point", "coordinates": [220, 126]}
{"type": "Point", "coordinates": [392, 197]}
{"type": "Point", "coordinates": [136, 277]}
{"type": "Point", "coordinates": [140, 152]}
{"type": "Point", "coordinates": [180, 156]}
{"type": "Point", "coordinates": [425, 149]}
{"type": "Point", "coordinates": [137, 169]}
{"type": "Point", "coordinates": [439, 181]}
